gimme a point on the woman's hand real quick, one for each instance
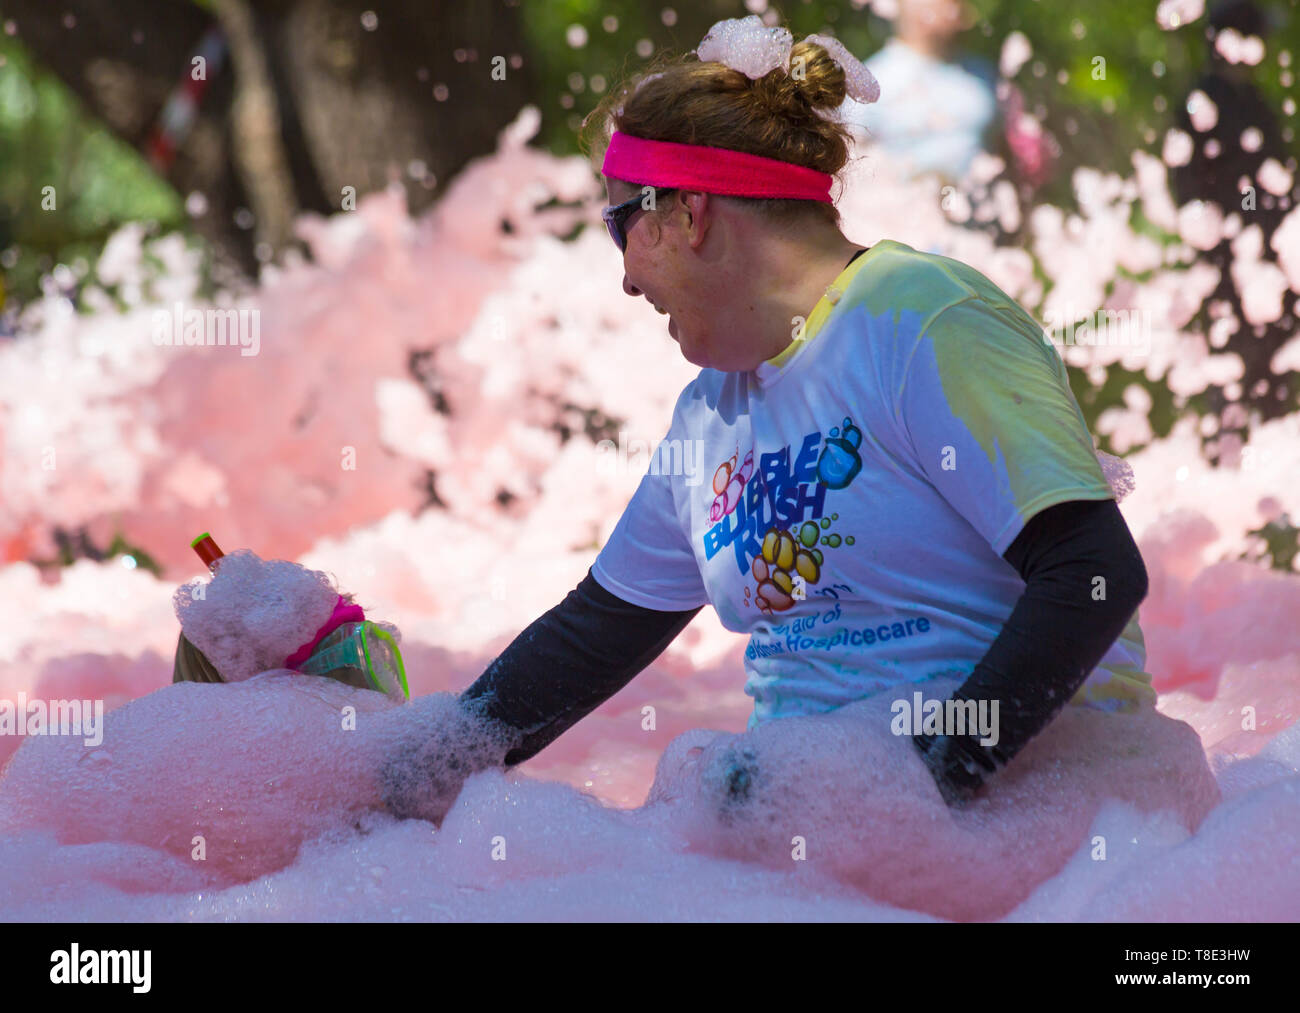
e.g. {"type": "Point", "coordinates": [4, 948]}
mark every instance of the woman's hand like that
{"type": "Point", "coordinates": [957, 774]}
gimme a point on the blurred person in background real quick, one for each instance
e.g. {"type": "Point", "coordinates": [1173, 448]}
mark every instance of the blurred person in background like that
{"type": "Point", "coordinates": [939, 107]}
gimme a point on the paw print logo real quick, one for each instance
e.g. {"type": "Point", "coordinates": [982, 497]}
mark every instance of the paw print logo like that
{"type": "Point", "coordinates": [840, 461]}
{"type": "Point", "coordinates": [785, 567]}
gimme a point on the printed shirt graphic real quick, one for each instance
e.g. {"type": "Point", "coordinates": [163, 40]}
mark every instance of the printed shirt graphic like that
{"type": "Point", "coordinates": [847, 503]}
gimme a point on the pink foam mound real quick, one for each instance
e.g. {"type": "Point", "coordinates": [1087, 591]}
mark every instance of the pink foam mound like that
{"type": "Point", "coordinates": [219, 787]}
{"type": "Point", "coordinates": [235, 778]}
{"type": "Point", "coordinates": [1240, 865]}
{"type": "Point", "coordinates": [859, 802]}
{"type": "Point", "coordinates": [1199, 618]}
{"type": "Point", "coordinates": [252, 769]}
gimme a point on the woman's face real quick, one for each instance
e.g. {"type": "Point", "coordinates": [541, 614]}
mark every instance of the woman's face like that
{"type": "Point", "coordinates": [655, 266]}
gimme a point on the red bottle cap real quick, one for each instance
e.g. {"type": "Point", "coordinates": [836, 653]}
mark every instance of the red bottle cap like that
{"type": "Point", "coordinates": [207, 549]}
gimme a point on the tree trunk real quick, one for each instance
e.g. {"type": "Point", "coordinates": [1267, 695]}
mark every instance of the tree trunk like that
{"type": "Point", "coordinates": [312, 97]}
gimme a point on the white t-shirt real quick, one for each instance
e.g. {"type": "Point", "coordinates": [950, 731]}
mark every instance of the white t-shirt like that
{"type": "Point", "coordinates": [847, 503]}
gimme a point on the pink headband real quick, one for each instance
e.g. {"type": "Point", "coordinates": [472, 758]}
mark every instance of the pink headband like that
{"type": "Point", "coordinates": [711, 170]}
{"type": "Point", "coordinates": [343, 613]}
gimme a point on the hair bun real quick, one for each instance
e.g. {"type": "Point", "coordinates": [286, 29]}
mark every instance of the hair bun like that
{"type": "Point", "coordinates": [814, 82]}
{"type": "Point", "coordinates": [817, 76]}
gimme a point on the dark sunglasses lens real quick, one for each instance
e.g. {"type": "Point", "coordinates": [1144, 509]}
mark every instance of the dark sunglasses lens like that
{"type": "Point", "coordinates": [615, 225]}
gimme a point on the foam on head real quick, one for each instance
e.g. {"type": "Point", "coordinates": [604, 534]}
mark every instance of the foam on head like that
{"type": "Point", "coordinates": [254, 613]}
{"type": "Point", "coordinates": [746, 45]}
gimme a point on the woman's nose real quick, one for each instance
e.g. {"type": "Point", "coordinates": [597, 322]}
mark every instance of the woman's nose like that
{"type": "Point", "coordinates": [629, 288]}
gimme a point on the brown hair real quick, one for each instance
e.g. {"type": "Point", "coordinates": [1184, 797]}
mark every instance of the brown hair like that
{"type": "Point", "coordinates": [681, 99]}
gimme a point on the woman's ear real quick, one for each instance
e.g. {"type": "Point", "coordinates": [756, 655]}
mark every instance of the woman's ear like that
{"type": "Point", "coordinates": [699, 214]}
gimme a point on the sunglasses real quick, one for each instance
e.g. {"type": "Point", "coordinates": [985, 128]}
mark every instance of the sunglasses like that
{"type": "Point", "coordinates": [615, 217]}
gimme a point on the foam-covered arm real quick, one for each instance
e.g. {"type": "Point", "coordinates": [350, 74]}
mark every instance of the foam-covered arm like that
{"type": "Point", "coordinates": [1056, 635]}
{"type": "Point", "coordinates": [438, 742]}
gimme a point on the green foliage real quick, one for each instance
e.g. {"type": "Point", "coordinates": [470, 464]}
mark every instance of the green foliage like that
{"type": "Point", "coordinates": [47, 140]}
{"type": "Point", "coordinates": [1277, 543]}
{"type": "Point", "coordinates": [1097, 120]}
{"type": "Point", "coordinates": [74, 545]}
{"type": "Point", "coordinates": [566, 73]}
{"type": "Point", "coordinates": [1095, 399]}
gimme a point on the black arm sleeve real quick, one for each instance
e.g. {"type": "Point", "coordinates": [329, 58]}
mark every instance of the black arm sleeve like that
{"type": "Point", "coordinates": [1056, 635]}
{"type": "Point", "coordinates": [569, 662]}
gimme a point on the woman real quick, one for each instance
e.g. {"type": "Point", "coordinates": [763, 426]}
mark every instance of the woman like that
{"type": "Point", "coordinates": [904, 484]}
